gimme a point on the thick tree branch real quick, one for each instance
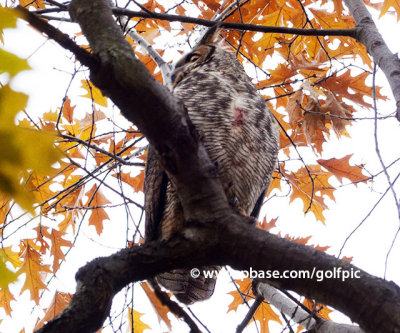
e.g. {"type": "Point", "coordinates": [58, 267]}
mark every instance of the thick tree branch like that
{"type": "Point", "coordinates": [215, 235]}
{"type": "Point", "coordinates": [372, 302]}
{"type": "Point", "coordinates": [368, 34]}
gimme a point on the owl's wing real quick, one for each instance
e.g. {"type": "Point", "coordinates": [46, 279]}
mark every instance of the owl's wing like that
{"type": "Point", "coordinates": [155, 187]}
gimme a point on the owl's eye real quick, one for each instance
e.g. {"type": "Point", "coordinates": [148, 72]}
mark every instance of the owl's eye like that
{"type": "Point", "coordinates": [192, 57]}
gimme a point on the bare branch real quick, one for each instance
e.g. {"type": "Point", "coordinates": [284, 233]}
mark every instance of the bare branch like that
{"type": "Point", "coordinates": [368, 34]}
{"type": "Point", "coordinates": [298, 315]}
{"type": "Point", "coordinates": [237, 26]}
{"type": "Point", "coordinates": [165, 67]}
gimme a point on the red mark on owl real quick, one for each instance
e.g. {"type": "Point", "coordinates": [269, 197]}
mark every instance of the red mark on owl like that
{"type": "Point", "coordinates": [238, 114]}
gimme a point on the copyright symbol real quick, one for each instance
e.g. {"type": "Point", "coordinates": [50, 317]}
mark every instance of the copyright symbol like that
{"type": "Point", "coordinates": [195, 273]}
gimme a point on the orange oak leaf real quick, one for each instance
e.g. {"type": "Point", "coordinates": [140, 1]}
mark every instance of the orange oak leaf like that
{"type": "Point", "coordinates": [161, 310]}
{"type": "Point", "coordinates": [293, 108]}
{"type": "Point", "coordinates": [81, 130]}
{"type": "Point", "coordinates": [314, 124]}
{"type": "Point", "coordinates": [340, 112]}
{"type": "Point", "coordinates": [100, 158]}
{"type": "Point", "coordinates": [311, 186]}
{"type": "Point", "coordinates": [67, 206]}
{"type": "Point", "coordinates": [351, 87]}
{"type": "Point", "coordinates": [341, 168]}
{"type": "Point", "coordinates": [321, 310]}
{"type": "Point", "coordinates": [92, 117]}
{"type": "Point", "coordinates": [136, 182]}
{"type": "Point", "coordinates": [11, 256]}
{"type": "Point", "coordinates": [264, 315]}
{"type": "Point", "coordinates": [304, 241]}
{"type": "Point", "coordinates": [275, 182]}
{"type": "Point", "coordinates": [5, 299]}
{"type": "Point", "coordinates": [38, 4]}
{"type": "Point", "coordinates": [264, 225]}
{"type": "Point", "coordinates": [98, 213]}
{"type": "Point", "coordinates": [136, 323]}
{"type": "Point", "coordinates": [58, 304]}
{"type": "Point", "coordinates": [41, 232]}
{"type": "Point", "coordinates": [244, 293]}
{"type": "Point", "coordinates": [264, 312]}
{"type": "Point", "coordinates": [329, 20]}
{"type": "Point", "coordinates": [391, 3]}
{"type": "Point", "coordinates": [57, 241]}
{"type": "Point", "coordinates": [68, 110]}
{"type": "Point", "coordinates": [33, 269]}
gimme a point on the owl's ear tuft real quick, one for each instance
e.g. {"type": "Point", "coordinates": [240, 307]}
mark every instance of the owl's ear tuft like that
{"type": "Point", "coordinates": [210, 35]}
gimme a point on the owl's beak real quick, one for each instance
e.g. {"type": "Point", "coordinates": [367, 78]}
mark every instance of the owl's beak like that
{"type": "Point", "coordinates": [176, 78]}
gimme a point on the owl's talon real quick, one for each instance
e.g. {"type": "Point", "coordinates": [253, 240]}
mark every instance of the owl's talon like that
{"type": "Point", "coordinates": [235, 202]}
{"type": "Point", "coordinates": [231, 183]}
{"type": "Point", "coordinates": [217, 164]}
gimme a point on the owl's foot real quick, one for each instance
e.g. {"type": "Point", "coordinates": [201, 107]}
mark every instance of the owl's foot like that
{"type": "Point", "coordinates": [235, 205]}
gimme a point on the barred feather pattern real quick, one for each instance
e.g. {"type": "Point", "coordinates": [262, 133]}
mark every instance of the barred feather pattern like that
{"type": "Point", "coordinates": [241, 137]}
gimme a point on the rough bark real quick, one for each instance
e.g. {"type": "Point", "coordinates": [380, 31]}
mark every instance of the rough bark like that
{"type": "Point", "coordinates": [215, 234]}
{"type": "Point", "coordinates": [368, 34]}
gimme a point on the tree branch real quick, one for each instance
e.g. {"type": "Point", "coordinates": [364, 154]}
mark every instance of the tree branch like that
{"type": "Point", "coordinates": [237, 26]}
{"type": "Point", "coordinates": [368, 34]}
{"type": "Point", "coordinates": [371, 301]}
{"type": "Point", "coordinates": [300, 316]}
{"type": "Point", "coordinates": [165, 67]}
{"type": "Point", "coordinates": [232, 25]}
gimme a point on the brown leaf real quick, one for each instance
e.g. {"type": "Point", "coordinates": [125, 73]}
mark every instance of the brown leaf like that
{"type": "Point", "coordinates": [267, 226]}
{"type": "Point", "coordinates": [293, 109]}
{"type": "Point", "coordinates": [334, 107]}
{"type": "Point", "coordinates": [341, 168]}
{"type": "Point", "coordinates": [311, 190]}
{"type": "Point", "coordinates": [34, 270]}
{"type": "Point", "coordinates": [68, 110]}
{"type": "Point", "coordinates": [98, 215]}
{"type": "Point", "coordinates": [58, 304]}
{"type": "Point", "coordinates": [5, 299]}
{"type": "Point", "coordinates": [161, 310]}
{"type": "Point", "coordinates": [136, 182]}
{"type": "Point", "coordinates": [244, 286]}
{"type": "Point", "coordinates": [264, 315]}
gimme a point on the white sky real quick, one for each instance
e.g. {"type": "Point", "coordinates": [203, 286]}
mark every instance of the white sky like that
{"type": "Point", "coordinates": [46, 85]}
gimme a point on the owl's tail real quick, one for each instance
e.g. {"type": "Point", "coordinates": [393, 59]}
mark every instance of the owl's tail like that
{"type": "Point", "coordinates": [190, 286]}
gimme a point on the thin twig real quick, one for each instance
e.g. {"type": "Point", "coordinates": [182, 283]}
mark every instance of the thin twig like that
{"type": "Point", "coordinates": [366, 216]}
{"type": "Point", "coordinates": [238, 26]}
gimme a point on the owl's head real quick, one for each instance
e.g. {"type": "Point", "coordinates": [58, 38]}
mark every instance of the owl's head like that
{"type": "Point", "coordinates": [200, 55]}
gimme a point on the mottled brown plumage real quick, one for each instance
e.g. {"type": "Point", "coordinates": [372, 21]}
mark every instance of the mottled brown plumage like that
{"type": "Point", "coordinates": [240, 136]}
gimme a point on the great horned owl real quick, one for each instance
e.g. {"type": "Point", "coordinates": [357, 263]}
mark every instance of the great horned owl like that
{"type": "Point", "coordinates": [240, 136]}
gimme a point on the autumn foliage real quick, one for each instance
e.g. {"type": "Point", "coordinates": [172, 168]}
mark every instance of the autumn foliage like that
{"type": "Point", "coordinates": [78, 167]}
